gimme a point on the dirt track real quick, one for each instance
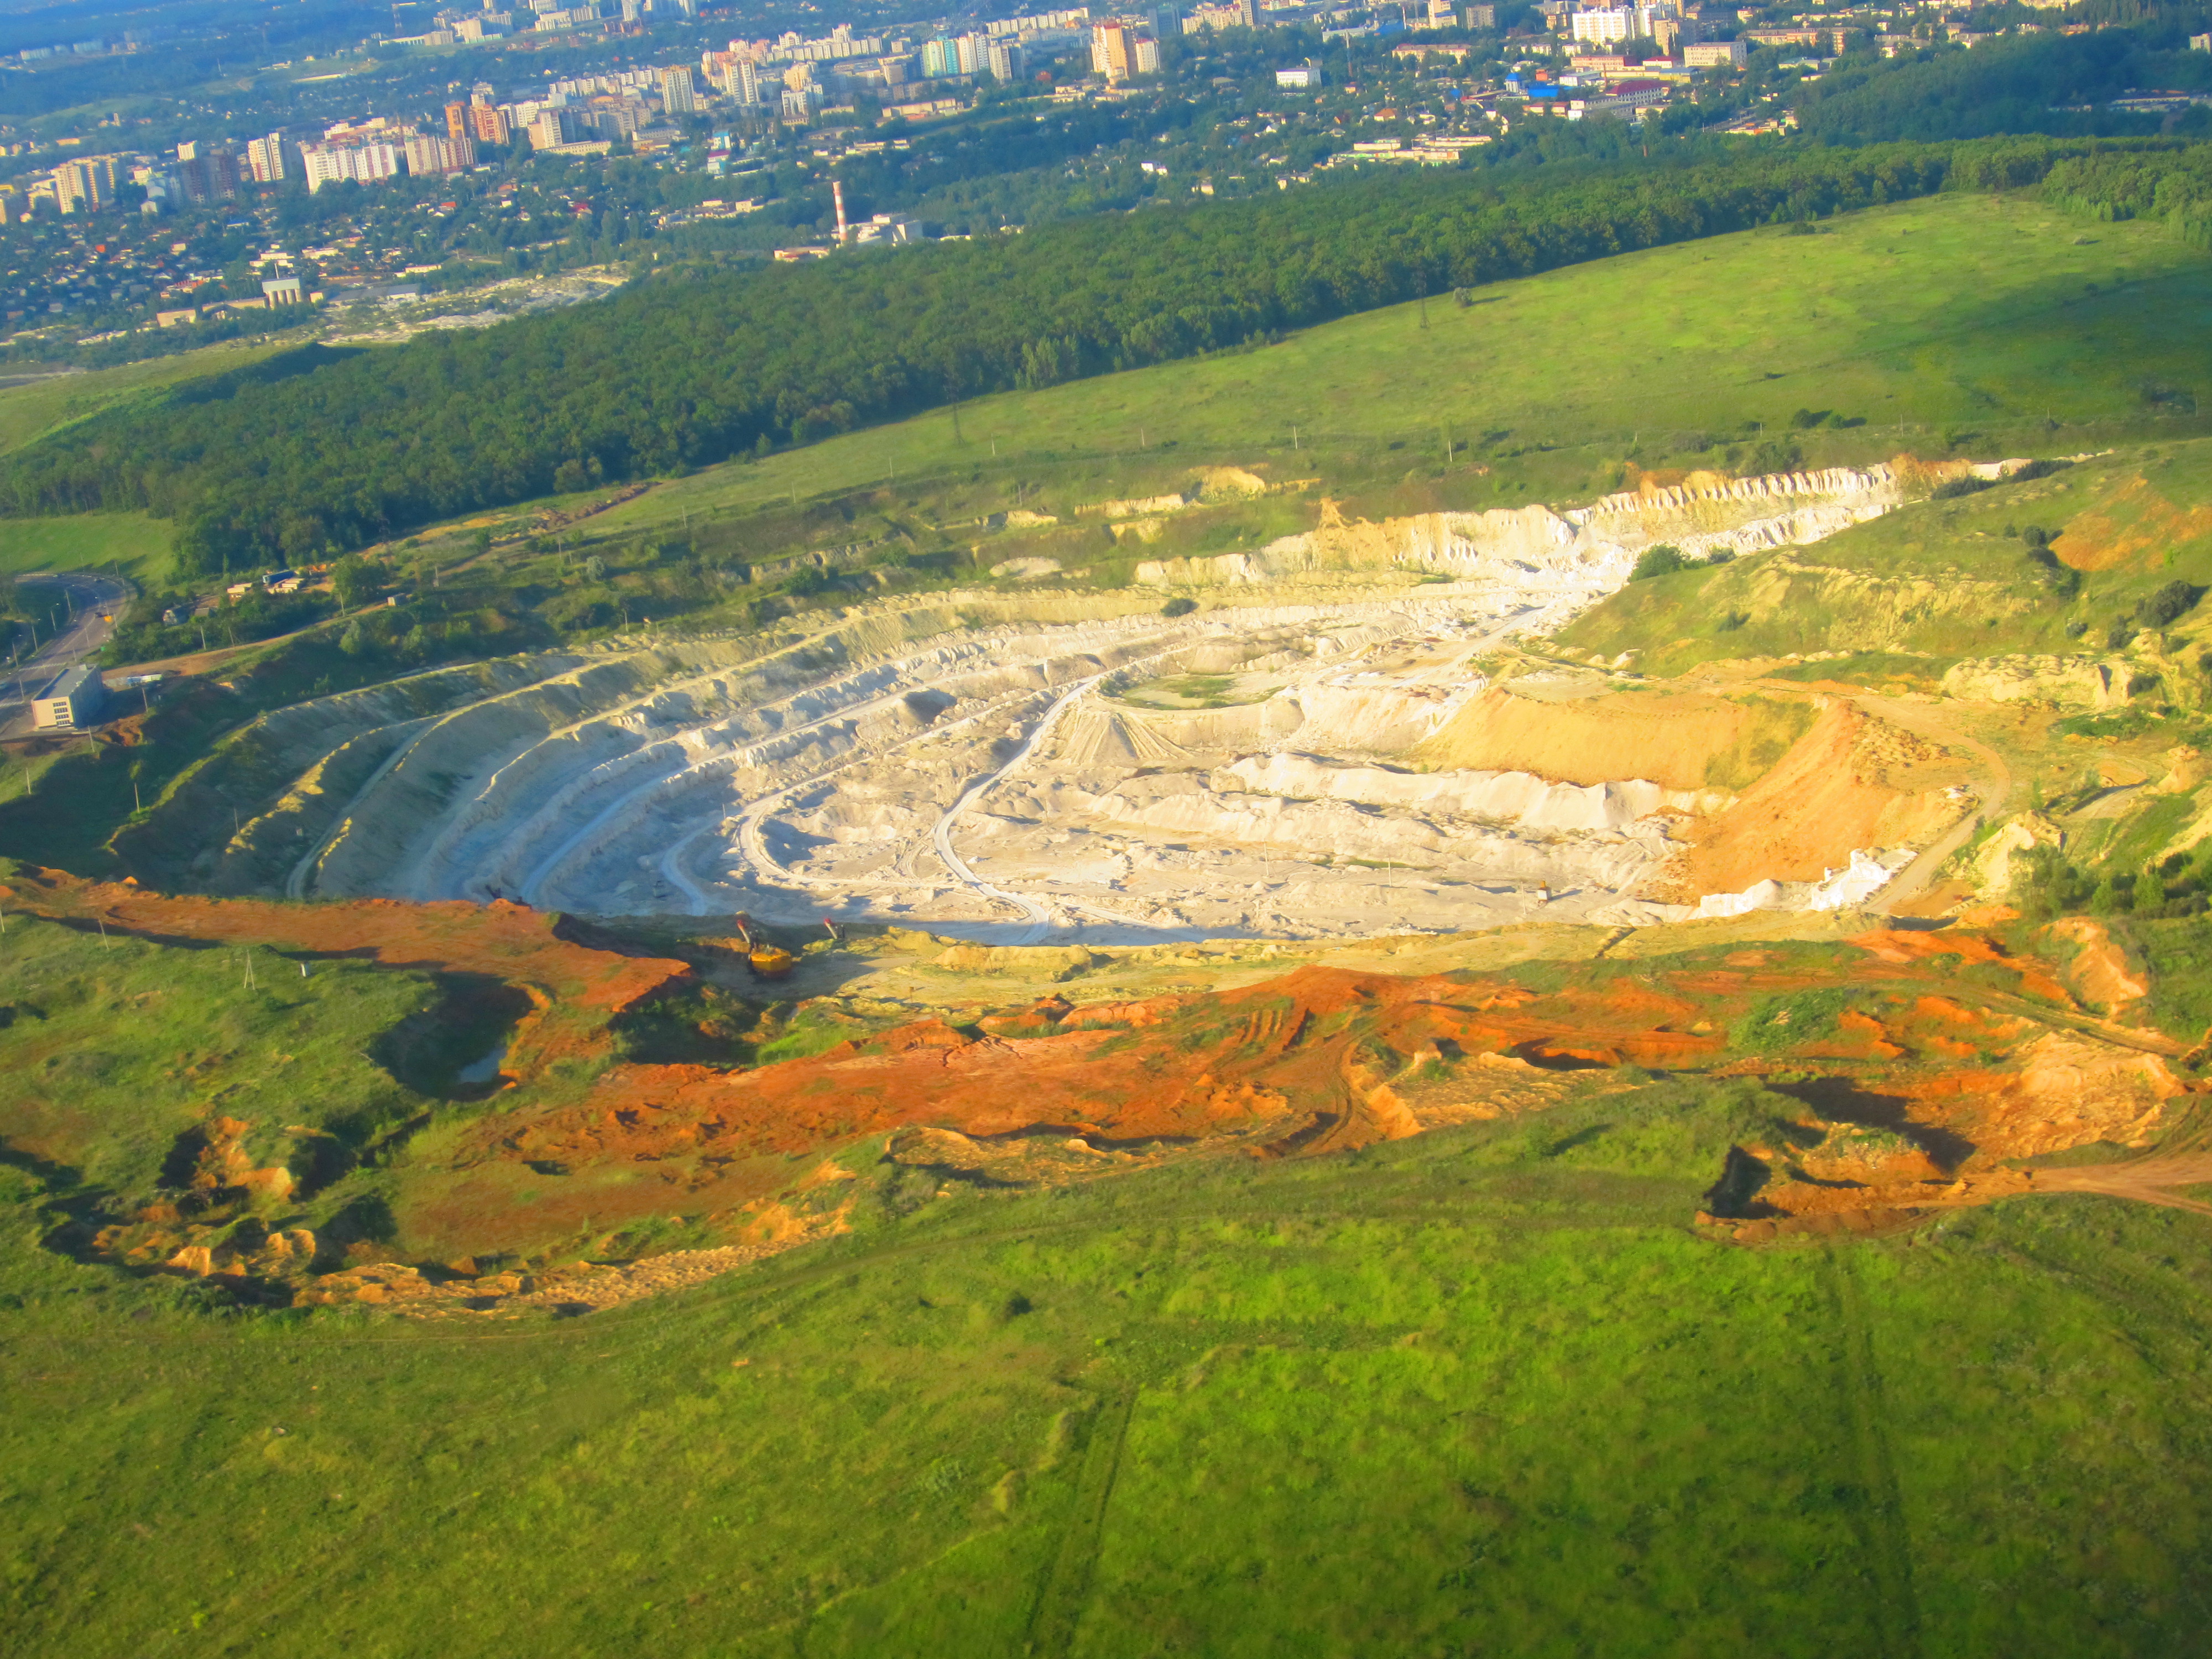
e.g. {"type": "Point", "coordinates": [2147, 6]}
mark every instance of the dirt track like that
{"type": "Point", "coordinates": [1993, 787]}
{"type": "Point", "coordinates": [2148, 1181]}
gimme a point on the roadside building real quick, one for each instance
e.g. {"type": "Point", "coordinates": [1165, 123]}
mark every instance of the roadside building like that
{"type": "Point", "coordinates": [72, 703]}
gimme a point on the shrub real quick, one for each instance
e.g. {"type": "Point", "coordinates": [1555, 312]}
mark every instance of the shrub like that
{"type": "Point", "coordinates": [1951, 488]}
{"type": "Point", "coordinates": [1777, 455]}
{"type": "Point", "coordinates": [2150, 892]}
{"type": "Point", "coordinates": [2173, 600]}
{"type": "Point", "coordinates": [1660, 560]}
{"type": "Point", "coordinates": [1179, 606]}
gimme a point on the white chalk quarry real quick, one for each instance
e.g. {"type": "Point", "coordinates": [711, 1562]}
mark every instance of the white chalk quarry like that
{"type": "Point", "coordinates": [1027, 779]}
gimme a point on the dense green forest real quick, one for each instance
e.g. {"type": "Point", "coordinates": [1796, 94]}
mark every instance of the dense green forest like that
{"type": "Point", "coordinates": [304, 453]}
{"type": "Point", "coordinates": [2045, 83]}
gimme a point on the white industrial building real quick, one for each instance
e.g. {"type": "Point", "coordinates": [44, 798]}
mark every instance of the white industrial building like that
{"type": "Point", "coordinates": [72, 702]}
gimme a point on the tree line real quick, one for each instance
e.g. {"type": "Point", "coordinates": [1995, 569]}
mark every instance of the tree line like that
{"type": "Point", "coordinates": [314, 451]}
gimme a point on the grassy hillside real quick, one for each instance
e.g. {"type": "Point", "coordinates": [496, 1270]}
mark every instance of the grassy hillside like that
{"type": "Point", "coordinates": [1946, 578]}
{"type": "Point", "coordinates": [1474, 1392]}
{"type": "Point", "coordinates": [1962, 321]}
{"type": "Point", "coordinates": [137, 544]}
{"type": "Point", "coordinates": [34, 407]}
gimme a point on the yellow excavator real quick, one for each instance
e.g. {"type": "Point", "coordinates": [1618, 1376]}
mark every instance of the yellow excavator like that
{"type": "Point", "coordinates": [766, 960]}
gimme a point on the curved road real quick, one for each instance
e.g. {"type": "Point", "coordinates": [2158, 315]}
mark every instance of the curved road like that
{"type": "Point", "coordinates": [91, 597]}
{"type": "Point", "coordinates": [1037, 916]}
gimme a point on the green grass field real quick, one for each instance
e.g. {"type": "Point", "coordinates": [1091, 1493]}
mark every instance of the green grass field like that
{"type": "Point", "coordinates": [1964, 321]}
{"type": "Point", "coordinates": [1454, 1396]}
{"type": "Point", "coordinates": [136, 544]}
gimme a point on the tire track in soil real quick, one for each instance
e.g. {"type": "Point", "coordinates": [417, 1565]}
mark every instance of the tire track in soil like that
{"type": "Point", "coordinates": [1065, 1590]}
{"type": "Point", "coordinates": [1881, 1523]}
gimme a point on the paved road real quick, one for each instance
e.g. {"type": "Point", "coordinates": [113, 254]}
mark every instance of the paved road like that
{"type": "Point", "coordinates": [92, 597]}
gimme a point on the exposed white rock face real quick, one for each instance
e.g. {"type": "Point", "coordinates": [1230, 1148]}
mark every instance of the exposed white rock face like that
{"type": "Point", "coordinates": [1517, 798]}
{"type": "Point", "coordinates": [2078, 682]}
{"type": "Point", "coordinates": [1538, 550]}
{"type": "Point", "coordinates": [1867, 874]}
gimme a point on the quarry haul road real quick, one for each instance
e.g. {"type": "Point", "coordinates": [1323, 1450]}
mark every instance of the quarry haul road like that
{"type": "Point", "coordinates": [754, 845]}
{"type": "Point", "coordinates": [2150, 1181]}
{"type": "Point", "coordinates": [296, 882]}
{"type": "Point", "coordinates": [1037, 916]}
{"type": "Point", "coordinates": [1993, 789]}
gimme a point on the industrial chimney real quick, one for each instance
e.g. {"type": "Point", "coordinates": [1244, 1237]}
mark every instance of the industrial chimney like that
{"type": "Point", "coordinates": [837, 195]}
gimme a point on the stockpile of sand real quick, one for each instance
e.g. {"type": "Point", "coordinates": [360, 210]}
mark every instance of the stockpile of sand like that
{"type": "Point", "coordinates": [1852, 782]}
{"type": "Point", "coordinates": [1672, 739]}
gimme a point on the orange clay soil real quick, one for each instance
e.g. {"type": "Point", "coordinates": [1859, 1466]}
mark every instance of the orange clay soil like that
{"type": "Point", "coordinates": [1848, 783]}
{"type": "Point", "coordinates": [1928, 1081]}
{"type": "Point", "coordinates": [1670, 737]}
{"type": "Point", "coordinates": [2100, 973]}
{"type": "Point", "coordinates": [1325, 1060]}
{"type": "Point", "coordinates": [1313, 1050]}
{"type": "Point", "coordinates": [508, 942]}
{"type": "Point", "coordinates": [2137, 520]}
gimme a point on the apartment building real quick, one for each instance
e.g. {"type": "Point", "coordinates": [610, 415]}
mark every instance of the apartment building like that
{"type": "Point", "coordinates": [264, 159]}
{"type": "Point", "coordinates": [678, 95]}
